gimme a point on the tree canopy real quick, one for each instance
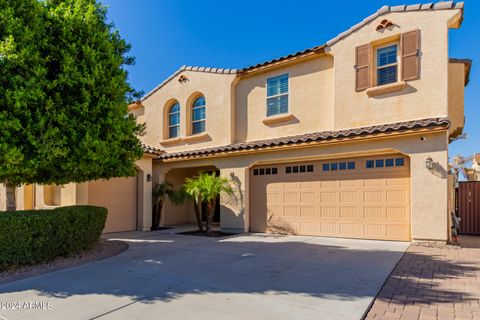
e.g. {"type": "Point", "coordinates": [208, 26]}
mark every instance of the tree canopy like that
{"type": "Point", "coordinates": [64, 93]}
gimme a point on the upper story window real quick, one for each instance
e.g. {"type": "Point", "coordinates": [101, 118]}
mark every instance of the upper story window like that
{"type": "Point", "coordinates": [277, 95]}
{"type": "Point", "coordinates": [198, 115]}
{"type": "Point", "coordinates": [387, 65]}
{"type": "Point", "coordinates": [378, 63]}
{"type": "Point", "coordinates": [174, 121]}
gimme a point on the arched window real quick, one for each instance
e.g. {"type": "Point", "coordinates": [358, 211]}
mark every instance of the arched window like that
{"type": "Point", "coordinates": [174, 121]}
{"type": "Point", "coordinates": [198, 115]}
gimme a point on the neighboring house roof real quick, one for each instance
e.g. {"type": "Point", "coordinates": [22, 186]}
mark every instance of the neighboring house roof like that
{"type": "Point", "coordinates": [468, 67]}
{"type": "Point", "coordinates": [189, 68]}
{"type": "Point", "coordinates": [442, 5]}
{"type": "Point", "coordinates": [312, 137]}
{"type": "Point", "coordinates": [151, 149]}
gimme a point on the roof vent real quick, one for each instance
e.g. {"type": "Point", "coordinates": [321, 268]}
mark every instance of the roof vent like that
{"type": "Point", "coordinates": [384, 24]}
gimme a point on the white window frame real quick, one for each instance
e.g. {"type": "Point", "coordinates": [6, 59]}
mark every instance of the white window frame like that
{"type": "Point", "coordinates": [173, 125]}
{"type": "Point", "coordinates": [202, 120]}
{"type": "Point", "coordinates": [397, 64]}
{"type": "Point", "coordinates": [278, 95]}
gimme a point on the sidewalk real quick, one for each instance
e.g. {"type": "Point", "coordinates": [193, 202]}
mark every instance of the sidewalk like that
{"type": "Point", "coordinates": [438, 282]}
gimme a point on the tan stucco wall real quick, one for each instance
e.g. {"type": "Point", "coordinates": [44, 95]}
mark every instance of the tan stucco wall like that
{"type": "Point", "coordinates": [3, 198]}
{"type": "Point", "coordinates": [310, 100]}
{"type": "Point", "coordinates": [429, 205]}
{"type": "Point", "coordinates": [456, 84]}
{"type": "Point", "coordinates": [423, 98]}
{"type": "Point", "coordinates": [216, 88]}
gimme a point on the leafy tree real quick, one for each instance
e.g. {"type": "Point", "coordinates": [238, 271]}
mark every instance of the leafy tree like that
{"type": "Point", "coordinates": [160, 191]}
{"type": "Point", "coordinates": [461, 165]}
{"type": "Point", "coordinates": [210, 186]}
{"type": "Point", "coordinates": [64, 94]}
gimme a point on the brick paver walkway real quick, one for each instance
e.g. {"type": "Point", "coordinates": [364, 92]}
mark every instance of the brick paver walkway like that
{"type": "Point", "coordinates": [441, 283]}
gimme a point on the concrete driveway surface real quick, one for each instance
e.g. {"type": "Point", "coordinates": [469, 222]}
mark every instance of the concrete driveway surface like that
{"type": "Point", "coordinates": [170, 276]}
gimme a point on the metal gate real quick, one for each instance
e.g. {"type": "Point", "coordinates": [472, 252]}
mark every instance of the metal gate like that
{"type": "Point", "coordinates": [468, 207]}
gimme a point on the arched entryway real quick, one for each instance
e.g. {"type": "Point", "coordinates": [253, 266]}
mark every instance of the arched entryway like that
{"type": "Point", "coordinates": [174, 214]}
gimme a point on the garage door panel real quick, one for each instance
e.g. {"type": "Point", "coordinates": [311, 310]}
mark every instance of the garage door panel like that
{"type": "Point", "coordinates": [370, 203]}
{"type": "Point", "coordinates": [348, 212]}
{"type": "Point", "coordinates": [375, 196]}
{"type": "Point", "coordinates": [375, 212]}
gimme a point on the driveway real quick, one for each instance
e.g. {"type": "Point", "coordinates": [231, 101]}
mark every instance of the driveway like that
{"type": "Point", "coordinates": [170, 276]}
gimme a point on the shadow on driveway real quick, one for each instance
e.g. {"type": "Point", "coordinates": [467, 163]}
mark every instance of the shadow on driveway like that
{"type": "Point", "coordinates": [321, 276]}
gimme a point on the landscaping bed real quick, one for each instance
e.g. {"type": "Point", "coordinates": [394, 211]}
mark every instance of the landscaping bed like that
{"type": "Point", "coordinates": [103, 249]}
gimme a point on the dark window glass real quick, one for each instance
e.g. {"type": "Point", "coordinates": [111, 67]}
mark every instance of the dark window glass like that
{"type": "Point", "coordinates": [268, 171]}
{"type": "Point", "coordinates": [274, 170]}
{"type": "Point", "coordinates": [379, 163]}
{"type": "Point", "coordinates": [351, 165]}
{"type": "Point", "coordinates": [255, 172]}
{"type": "Point", "coordinates": [334, 166]}
{"type": "Point", "coordinates": [262, 172]}
{"type": "Point", "coordinates": [310, 168]}
{"type": "Point", "coordinates": [326, 167]}
{"type": "Point", "coordinates": [369, 164]}
{"type": "Point", "coordinates": [342, 166]}
{"type": "Point", "coordinates": [295, 169]}
{"type": "Point", "coordinates": [399, 162]}
{"type": "Point", "coordinates": [288, 170]}
{"type": "Point", "coordinates": [303, 168]}
{"type": "Point", "coordinates": [389, 163]}
{"type": "Point", "coordinates": [387, 75]}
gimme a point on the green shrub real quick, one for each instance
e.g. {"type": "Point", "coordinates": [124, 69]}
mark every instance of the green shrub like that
{"type": "Point", "coordinates": [35, 236]}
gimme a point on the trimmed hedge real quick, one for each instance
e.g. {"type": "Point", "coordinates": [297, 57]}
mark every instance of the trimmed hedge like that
{"type": "Point", "coordinates": [35, 236]}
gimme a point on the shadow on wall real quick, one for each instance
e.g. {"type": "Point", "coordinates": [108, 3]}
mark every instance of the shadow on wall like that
{"type": "Point", "coordinates": [233, 209]}
{"type": "Point", "coordinates": [171, 268]}
{"type": "Point", "coordinates": [278, 226]}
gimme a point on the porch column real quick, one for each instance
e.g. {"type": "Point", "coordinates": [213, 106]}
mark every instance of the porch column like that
{"type": "Point", "coordinates": [234, 208]}
{"type": "Point", "coordinates": [144, 193]}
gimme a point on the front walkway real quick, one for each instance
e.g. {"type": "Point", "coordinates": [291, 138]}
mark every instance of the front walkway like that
{"type": "Point", "coordinates": [169, 276]}
{"type": "Point", "coordinates": [440, 282]}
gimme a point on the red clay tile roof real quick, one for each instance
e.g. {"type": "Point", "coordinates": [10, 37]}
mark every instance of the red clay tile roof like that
{"type": "Point", "coordinates": [151, 149]}
{"type": "Point", "coordinates": [313, 50]}
{"type": "Point", "coordinates": [312, 137]}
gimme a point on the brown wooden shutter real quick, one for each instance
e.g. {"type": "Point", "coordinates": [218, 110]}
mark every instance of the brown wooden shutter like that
{"type": "Point", "coordinates": [410, 55]}
{"type": "Point", "coordinates": [362, 67]}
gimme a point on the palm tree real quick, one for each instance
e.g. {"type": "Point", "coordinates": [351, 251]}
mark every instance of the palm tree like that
{"type": "Point", "coordinates": [191, 190]}
{"type": "Point", "coordinates": [160, 191]}
{"type": "Point", "coordinates": [210, 186]}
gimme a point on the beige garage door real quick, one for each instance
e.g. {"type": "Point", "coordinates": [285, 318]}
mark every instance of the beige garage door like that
{"type": "Point", "coordinates": [357, 198]}
{"type": "Point", "coordinates": [119, 196]}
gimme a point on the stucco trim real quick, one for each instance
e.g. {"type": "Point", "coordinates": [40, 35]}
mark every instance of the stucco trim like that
{"type": "Point", "coordinates": [430, 123]}
{"type": "Point", "coordinates": [387, 88]}
{"type": "Point", "coordinates": [196, 137]}
{"type": "Point", "coordinates": [278, 119]}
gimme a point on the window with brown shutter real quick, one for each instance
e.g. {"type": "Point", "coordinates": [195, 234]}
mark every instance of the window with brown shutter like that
{"type": "Point", "coordinates": [362, 67]}
{"type": "Point", "coordinates": [410, 44]}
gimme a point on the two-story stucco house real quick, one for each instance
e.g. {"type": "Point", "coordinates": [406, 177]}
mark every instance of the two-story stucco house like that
{"type": "Point", "coordinates": [345, 139]}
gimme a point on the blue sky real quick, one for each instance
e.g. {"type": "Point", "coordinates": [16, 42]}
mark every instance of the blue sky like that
{"type": "Point", "coordinates": [166, 34]}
